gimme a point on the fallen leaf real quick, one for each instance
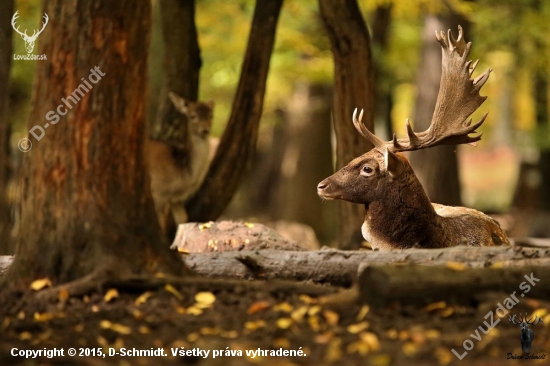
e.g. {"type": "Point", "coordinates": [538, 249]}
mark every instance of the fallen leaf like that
{"type": "Point", "coordinates": [205, 299]}
{"type": "Point", "coordinates": [40, 284]}
{"type": "Point", "coordinates": [284, 307]}
{"type": "Point", "coordinates": [192, 337]}
{"type": "Point", "coordinates": [281, 343]}
{"type": "Point", "coordinates": [249, 225]}
{"type": "Point", "coordinates": [253, 325]}
{"type": "Point", "coordinates": [111, 294]}
{"type": "Point", "coordinates": [444, 356]}
{"type": "Point", "coordinates": [44, 317]}
{"type": "Point", "coordinates": [193, 310]}
{"type": "Point", "coordinates": [324, 338]}
{"type": "Point", "coordinates": [205, 226]}
{"type": "Point", "coordinates": [171, 289]}
{"type": "Point", "coordinates": [143, 298]}
{"type": "Point", "coordinates": [371, 340]}
{"type": "Point", "coordinates": [119, 328]}
{"type": "Point", "coordinates": [380, 360]}
{"type": "Point", "coordinates": [356, 328]}
{"type": "Point", "coordinates": [63, 295]}
{"type": "Point", "coordinates": [314, 310]}
{"type": "Point", "coordinates": [358, 347]}
{"type": "Point", "coordinates": [331, 317]}
{"type": "Point", "coordinates": [334, 350]}
{"type": "Point", "coordinates": [25, 336]}
{"type": "Point", "coordinates": [257, 306]}
{"type": "Point", "coordinates": [298, 314]}
{"type": "Point", "coordinates": [314, 323]}
{"type": "Point", "coordinates": [435, 306]}
{"type": "Point", "coordinates": [284, 323]}
{"type": "Point", "coordinates": [231, 334]}
{"type": "Point", "coordinates": [144, 329]}
{"type": "Point", "coordinates": [210, 330]}
{"type": "Point", "coordinates": [362, 313]}
{"type": "Point", "coordinates": [306, 299]}
{"type": "Point", "coordinates": [410, 349]}
{"type": "Point", "coordinates": [455, 266]}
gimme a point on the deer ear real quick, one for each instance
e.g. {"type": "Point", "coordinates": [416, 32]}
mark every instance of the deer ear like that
{"type": "Point", "coordinates": [178, 102]}
{"type": "Point", "coordinates": [394, 165]}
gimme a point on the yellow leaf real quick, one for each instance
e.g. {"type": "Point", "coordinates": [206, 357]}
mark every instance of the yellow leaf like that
{"type": "Point", "coordinates": [298, 314]}
{"type": "Point", "coordinates": [204, 226]}
{"type": "Point", "coordinates": [171, 289]}
{"type": "Point", "coordinates": [284, 307]}
{"type": "Point", "coordinates": [306, 299]}
{"type": "Point", "coordinates": [314, 310]}
{"type": "Point", "coordinates": [314, 323]}
{"type": "Point", "coordinates": [249, 225]}
{"type": "Point", "coordinates": [455, 266]}
{"type": "Point", "coordinates": [63, 295]}
{"type": "Point", "coordinates": [111, 294]}
{"type": "Point", "coordinates": [25, 336]}
{"type": "Point", "coordinates": [435, 306]}
{"type": "Point", "coordinates": [119, 328]}
{"type": "Point", "coordinates": [281, 343]}
{"type": "Point", "coordinates": [358, 347]}
{"type": "Point", "coordinates": [284, 323]}
{"type": "Point", "coordinates": [324, 338]}
{"type": "Point", "coordinates": [40, 284]}
{"type": "Point", "coordinates": [183, 251]}
{"type": "Point", "coordinates": [410, 348]}
{"type": "Point", "coordinates": [444, 356]}
{"type": "Point", "coordinates": [143, 298]}
{"type": "Point", "coordinates": [334, 350]}
{"type": "Point", "coordinates": [362, 313]}
{"type": "Point", "coordinates": [210, 330]}
{"type": "Point", "coordinates": [231, 334]}
{"type": "Point", "coordinates": [356, 328]}
{"type": "Point", "coordinates": [380, 360]}
{"type": "Point", "coordinates": [331, 317]}
{"type": "Point", "coordinates": [205, 299]}
{"type": "Point", "coordinates": [193, 310]}
{"type": "Point", "coordinates": [253, 325]}
{"type": "Point", "coordinates": [44, 317]}
{"type": "Point", "coordinates": [497, 265]}
{"type": "Point", "coordinates": [192, 337]}
{"type": "Point", "coordinates": [371, 340]}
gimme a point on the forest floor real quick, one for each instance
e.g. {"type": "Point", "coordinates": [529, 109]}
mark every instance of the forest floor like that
{"type": "Point", "coordinates": [246, 326]}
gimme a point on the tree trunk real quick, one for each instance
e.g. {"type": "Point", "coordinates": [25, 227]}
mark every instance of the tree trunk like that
{"type": "Point", "coordinates": [543, 122]}
{"type": "Point", "coordinates": [238, 143]}
{"type": "Point", "coordinates": [182, 63]}
{"type": "Point", "coordinates": [86, 208]}
{"type": "Point", "coordinates": [437, 167]}
{"type": "Point", "coordinates": [353, 88]}
{"type": "Point", "coordinates": [307, 159]}
{"type": "Point", "coordinates": [6, 11]}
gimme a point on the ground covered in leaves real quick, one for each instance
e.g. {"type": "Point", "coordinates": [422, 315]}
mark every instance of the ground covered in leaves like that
{"type": "Point", "coordinates": [243, 326]}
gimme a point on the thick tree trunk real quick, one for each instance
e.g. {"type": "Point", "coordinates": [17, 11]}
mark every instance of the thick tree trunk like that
{"type": "Point", "coordinates": [86, 207]}
{"type": "Point", "coordinates": [543, 122]}
{"type": "Point", "coordinates": [6, 11]}
{"type": "Point", "coordinates": [353, 88]}
{"type": "Point", "coordinates": [182, 63]}
{"type": "Point", "coordinates": [238, 143]}
{"type": "Point", "coordinates": [436, 168]}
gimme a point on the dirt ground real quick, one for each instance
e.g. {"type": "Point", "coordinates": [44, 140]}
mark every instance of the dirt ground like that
{"type": "Point", "coordinates": [327, 330]}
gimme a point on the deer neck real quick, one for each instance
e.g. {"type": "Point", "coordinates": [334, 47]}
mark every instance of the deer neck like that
{"type": "Point", "coordinates": [198, 162]}
{"type": "Point", "coordinates": [405, 218]}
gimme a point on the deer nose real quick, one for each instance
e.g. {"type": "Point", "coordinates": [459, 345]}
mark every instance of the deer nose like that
{"type": "Point", "coordinates": [322, 186]}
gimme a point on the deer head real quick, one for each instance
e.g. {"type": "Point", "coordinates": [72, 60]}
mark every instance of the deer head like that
{"type": "Point", "coordinates": [29, 40]}
{"type": "Point", "coordinates": [527, 335]}
{"type": "Point", "coordinates": [384, 177]}
{"type": "Point", "coordinates": [199, 114]}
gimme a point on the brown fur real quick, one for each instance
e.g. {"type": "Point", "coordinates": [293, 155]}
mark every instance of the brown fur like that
{"type": "Point", "coordinates": [398, 213]}
{"type": "Point", "coordinates": [175, 177]}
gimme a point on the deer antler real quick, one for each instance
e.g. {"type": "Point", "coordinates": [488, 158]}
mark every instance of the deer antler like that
{"type": "Point", "coordinates": [13, 19]}
{"type": "Point", "coordinates": [537, 320]}
{"type": "Point", "coordinates": [24, 34]}
{"type": "Point", "coordinates": [513, 320]}
{"type": "Point", "coordinates": [457, 99]}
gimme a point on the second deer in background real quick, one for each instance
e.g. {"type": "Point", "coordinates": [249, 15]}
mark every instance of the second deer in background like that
{"type": "Point", "coordinates": [176, 174]}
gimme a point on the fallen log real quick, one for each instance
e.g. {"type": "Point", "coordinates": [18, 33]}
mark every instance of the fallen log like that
{"type": "Point", "coordinates": [380, 285]}
{"type": "Point", "coordinates": [340, 267]}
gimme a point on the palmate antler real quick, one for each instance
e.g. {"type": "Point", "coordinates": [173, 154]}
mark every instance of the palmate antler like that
{"type": "Point", "coordinates": [457, 99]}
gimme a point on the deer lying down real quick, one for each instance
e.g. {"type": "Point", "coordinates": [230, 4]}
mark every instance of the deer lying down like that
{"type": "Point", "coordinates": [398, 213]}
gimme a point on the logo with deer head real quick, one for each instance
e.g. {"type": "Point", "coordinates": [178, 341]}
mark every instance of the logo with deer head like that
{"type": "Point", "coordinates": [29, 40]}
{"type": "Point", "coordinates": [527, 334]}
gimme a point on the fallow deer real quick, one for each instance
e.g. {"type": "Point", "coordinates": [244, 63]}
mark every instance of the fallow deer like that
{"type": "Point", "coordinates": [398, 213]}
{"type": "Point", "coordinates": [175, 173]}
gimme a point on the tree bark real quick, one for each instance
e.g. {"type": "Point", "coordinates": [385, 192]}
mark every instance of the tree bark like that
{"type": "Point", "coordinates": [86, 207]}
{"type": "Point", "coordinates": [543, 122]}
{"type": "Point", "coordinates": [182, 63]}
{"type": "Point", "coordinates": [238, 143]}
{"type": "Point", "coordinates": [6, 11]}
{"type": "Point", "coordinates": [437, 167]}
{"type": "Point", "coordinates": [353, 88]}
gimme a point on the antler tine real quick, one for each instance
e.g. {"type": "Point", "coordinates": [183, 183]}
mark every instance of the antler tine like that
{"type": "Point", "coordinates": [378, 143]}
{"type": "Point", "coordinates": [536, 321]}
{"type": "Point", "coordinates": [13, 20]}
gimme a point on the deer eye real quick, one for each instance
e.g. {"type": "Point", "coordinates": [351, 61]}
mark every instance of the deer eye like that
{"type": "Point", "coordinates": [367, 171]}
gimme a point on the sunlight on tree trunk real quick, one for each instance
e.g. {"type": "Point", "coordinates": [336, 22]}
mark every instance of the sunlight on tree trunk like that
{"type": "Point", "coordinates": [86, 207]}
{"type": "Point", "coordinates": [353, 88]}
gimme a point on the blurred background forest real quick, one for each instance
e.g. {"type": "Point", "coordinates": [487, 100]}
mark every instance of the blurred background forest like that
{"type": "Point", "coordinates": [509, 171]}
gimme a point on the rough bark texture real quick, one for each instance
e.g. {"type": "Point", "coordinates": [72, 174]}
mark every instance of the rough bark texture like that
{"type": "Point", "coordinates": [6, 11]}
{"type": "Point", "coordinates": [380, 285]}
{"type": "Point", "coordinates": [182, 63]}
{"type": "Point", "coordinates": [353, 88]}
{"type": "Point", "coordinates": [86, 207]}
{"type": "Point", "coordinates": [543, 121]}
{"type": "Point", "coordinates": [437, 167]}
{"type": "Point", "coordinates": [238, 143]}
